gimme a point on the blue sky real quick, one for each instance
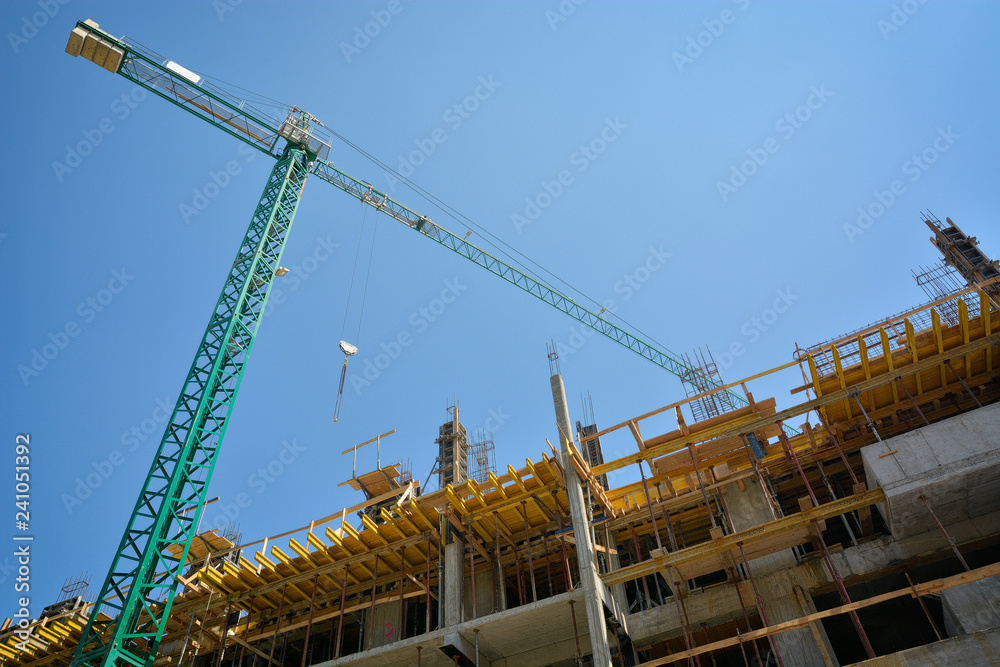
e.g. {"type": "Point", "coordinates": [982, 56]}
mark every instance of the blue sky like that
{"type": "Point", "coordinates": [698, 163]}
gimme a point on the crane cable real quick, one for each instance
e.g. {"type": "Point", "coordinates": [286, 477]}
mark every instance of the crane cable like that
{"type": "Point", "coordinates": [459, 217]}
{"type": "Point", "coordinates": [345, 347]}
{"type": "Point", "coordinates": [354, 271]}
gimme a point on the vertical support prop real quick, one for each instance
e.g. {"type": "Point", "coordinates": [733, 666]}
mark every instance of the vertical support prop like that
{"type": "Point", "coordinates": [309, 623]}
{"type": "Point", "coordinates": [913, 402]}
{"type": "Point", "coordinates": [964, 383]}
{"type": "Point", "coordinates": [277, 627]}
{"type": "Point", "coordinates": [371, 609]}
{"type": "Point", "coordinates": [340, 616]}
{"type": "Point", "coordinates": [951, 540]}
{"type": "Point", "coordinates": [822, 542]}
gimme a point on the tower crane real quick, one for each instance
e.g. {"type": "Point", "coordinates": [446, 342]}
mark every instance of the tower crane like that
{"type": "Point", "coordinates": [127, 621]}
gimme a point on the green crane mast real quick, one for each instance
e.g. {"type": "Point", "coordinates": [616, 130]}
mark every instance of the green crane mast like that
{"type": "Point", "coordinates": [127, 622]}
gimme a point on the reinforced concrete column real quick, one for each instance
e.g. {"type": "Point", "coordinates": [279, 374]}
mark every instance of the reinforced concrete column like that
{"type": "Point", "coordinates": [454, 578]}
{"type": "Point", "coordinates": [776, 578]}
{"type": "Point", "coordinates": [589, 578]}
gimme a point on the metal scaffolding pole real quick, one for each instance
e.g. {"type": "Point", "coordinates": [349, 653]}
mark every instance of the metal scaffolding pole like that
{"type": "Point", "coordinates": [309, 623]}
{"type": "Point", "coordinates": [846, 599]}
{"type": "Point", "coordinates": [951, 540]}
{"type": "Point", "coordinates": [964, 384]}
{"type": "Point", "coordinates": [760, 604]}
{"type": "Point", "coordinates": [913, 402]}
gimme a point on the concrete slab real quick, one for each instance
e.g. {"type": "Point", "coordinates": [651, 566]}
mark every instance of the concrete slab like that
{"type": "Point", "coordinates": [953, 463]}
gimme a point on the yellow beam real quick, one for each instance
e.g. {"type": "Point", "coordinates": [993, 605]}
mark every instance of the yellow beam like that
{"type": "Point", "coordinates": [497, 485]}
{"type": "Point", "coordinates": [517, 478]}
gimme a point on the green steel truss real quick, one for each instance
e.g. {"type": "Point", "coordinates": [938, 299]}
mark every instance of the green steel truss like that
{"type": "Point", "coordinates": [139, 589]}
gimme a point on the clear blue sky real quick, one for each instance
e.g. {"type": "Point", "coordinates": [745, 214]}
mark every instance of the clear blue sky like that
{"type": "Point", "coordinates": [643, 110]}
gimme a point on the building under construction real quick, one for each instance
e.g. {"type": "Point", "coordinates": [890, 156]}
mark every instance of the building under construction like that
{"type": "Point", "coordinates": [859, 526]}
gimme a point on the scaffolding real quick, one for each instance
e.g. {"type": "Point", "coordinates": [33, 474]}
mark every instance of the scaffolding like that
{"type": "Point", "coordinates": [683, 542]}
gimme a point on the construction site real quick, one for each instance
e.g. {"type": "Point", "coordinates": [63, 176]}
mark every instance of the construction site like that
{"type": "Point", "coordinates": [859, 526]}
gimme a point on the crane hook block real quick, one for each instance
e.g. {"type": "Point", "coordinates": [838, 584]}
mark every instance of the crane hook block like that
{"type": "Point", "coordinates": [347, 348]}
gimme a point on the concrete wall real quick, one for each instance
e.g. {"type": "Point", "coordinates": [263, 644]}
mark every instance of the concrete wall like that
{"type": "Point", "coordinates": [484, 595]}
{"type": "Point", "coordinates": [385, 628]}
{"type": "Point", "coordinates": [954, 463]}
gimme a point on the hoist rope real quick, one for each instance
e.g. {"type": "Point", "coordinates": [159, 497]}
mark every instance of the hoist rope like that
{"type": "Point", "coordinates": [498, 242]}
{"type": "Point", "coordinates": [364, 297]}
{"type": "Point", "coordinates": [354, 271]}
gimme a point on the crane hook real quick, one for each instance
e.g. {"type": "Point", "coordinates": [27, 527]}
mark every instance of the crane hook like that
{"type": "Point", "coordinates": [348, 350]}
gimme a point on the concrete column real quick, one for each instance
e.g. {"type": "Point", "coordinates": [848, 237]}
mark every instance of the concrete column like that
{"type": "Point", "coordinates": [589, 578]}
{"type": "Point", "coordinates": [454, 578]}
{"type": "Point", "coordinates": [751, 507]}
